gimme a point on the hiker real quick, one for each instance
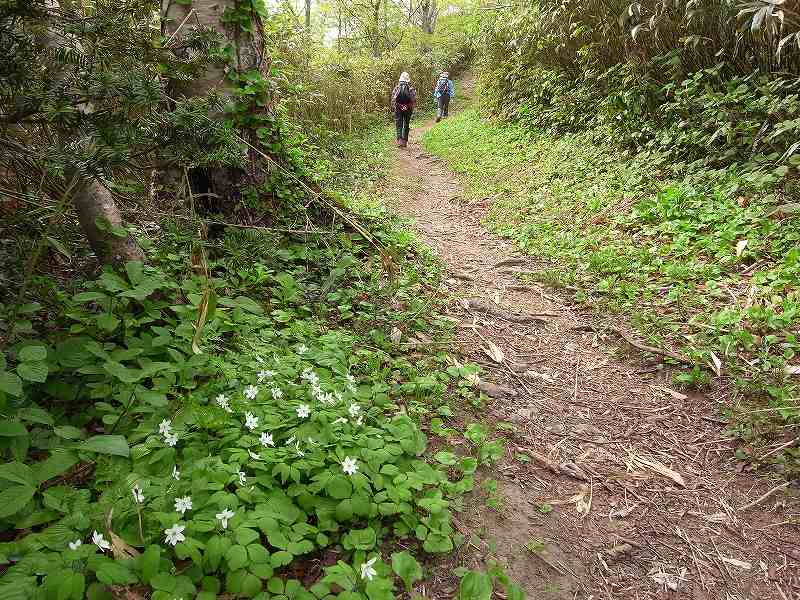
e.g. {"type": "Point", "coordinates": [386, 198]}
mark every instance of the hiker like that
{"type": "Point", "coordinates": [404, 97]}
{"type": "Point", "coordinates": [442, 93]}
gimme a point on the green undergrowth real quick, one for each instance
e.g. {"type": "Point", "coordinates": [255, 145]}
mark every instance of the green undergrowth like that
{"type": "Point", "coordinates": [233, 418]}
{"type": "Point", "coordinates": [703, 262]}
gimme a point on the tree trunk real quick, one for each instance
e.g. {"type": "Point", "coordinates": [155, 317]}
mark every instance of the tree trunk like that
{"type": "Point", "coordinates": [178, 20]}
{"type": "Point", "coordinates": [376, 41]}
{"type": "Point", "coordinates": [92, 201]}
{"type": "Point", "coordinates": [95, 204]}
{"type": "Point", "coordinates": [428, 15]}
{"type": "Point", "coordinates": [308, 14]}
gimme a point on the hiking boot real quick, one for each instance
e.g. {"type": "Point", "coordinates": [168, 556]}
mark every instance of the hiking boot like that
{"type": "Point", "coordinates": [438, 119]}
{"type": "Point", "coordinates": [399, 143]}
{"type": "Point", "coordinates": [403, 143]}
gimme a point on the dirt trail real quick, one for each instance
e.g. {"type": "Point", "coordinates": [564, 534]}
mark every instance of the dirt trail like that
{"type": "Point", "coordinates": [630, 490]}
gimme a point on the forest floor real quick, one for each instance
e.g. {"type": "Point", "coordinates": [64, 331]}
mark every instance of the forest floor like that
{"type": "Point", "coordinates": [613, 484]}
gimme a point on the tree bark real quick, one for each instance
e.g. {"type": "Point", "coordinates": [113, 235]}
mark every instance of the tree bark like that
{"type": "Point", "coordinates": [308, 14]}
{"type": "Point", "coordinates": [178, 20]}
{"type": "Point", "coordinates": [94, 203]}
{"type": "Point", "coordinates": [428, 10]}
{"type": "Point", "coordinates": [376, 42]}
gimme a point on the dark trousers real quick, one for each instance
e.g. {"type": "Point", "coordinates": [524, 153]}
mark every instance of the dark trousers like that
{"type": "Point", "coordinates": [402, 120]}
{"type": "Point", "coordinates": [444, 105]}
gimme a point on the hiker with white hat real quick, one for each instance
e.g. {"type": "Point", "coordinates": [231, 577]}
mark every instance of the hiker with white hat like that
{"type": "Point", "coordinates": [404, 97]}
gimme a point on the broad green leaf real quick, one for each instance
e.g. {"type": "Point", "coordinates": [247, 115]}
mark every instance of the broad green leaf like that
{"type": "Point", "coordinates": [149, 562]}
{"type": "Point", "coordinates": [33, 371]}
{"type": "Point", "coordinates": [250, 585]}
{"type": "Point", "coordinates": [116, 445]}
{"type": "Point", "coordinates": [10, 383]}
{"type": "Point", "coordinates": [135, 271]}
{"type": "Point", "coordinates": [107, 322]}
{"type": "Point", "coordinates": [14, 498]}
{"type": "Point", "coordinates": [68, 432]}
{"type": "Point", "coordinates": [59, 462]}
{"type": "Point", "coordinates": [33, 353]}
{"type": "Point", "coordinates": [280, 558]}
{"type": "Point", "coordinates": [406, 568]}
{"type": "Point", "coordinates": [236, 557]}
{"type": "Point", "coordinates": [475, 585]}
{"type": "Point", "coordinates": [18, 473]}
{"type": "Point", "coordinates": [12, 429]}
{"type": "Point", "coordinates": [34, 414]}
{"type": "Point", "coordinates": [249, 305]}
{"type": "Point", "coordinates": [446, 458]}
{"type": "Point", "coordinates": [89, 297]}
{"type": "Point", "coordinates": [257, 554]}
{"type": "Point", "coordinates": [122, 372]}
{"type": "Point", "coordinates": [339, 487]}
{"type": "Point", "coordinates": [245, 535]}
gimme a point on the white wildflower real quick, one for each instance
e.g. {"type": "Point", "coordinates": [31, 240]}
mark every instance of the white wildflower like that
{"type": "Point", "coordinates": [354, 410]}
{"type": "Point", "coordinates": [251, 392]}
{"type": "Point", "coordinates": [174, 534]}
{"type": "Point", "coordinates": [250, 421]}
{"type": "Point", "coordinates": [223, 403]}
{"type": "Point", "coordinates": [349, 465]}
{"type": "Point", "coordinates": [99, 541]}
{"type": "Point", "coordinates": [138, 496]}
{"type": "Point", "coordinates": [242, 478]}
{"type": "Point", "coordinates": [176, 475]}
{"type": "Point", "coordinates": [300, 453]}
{"type": "Point", "coordinates": [253, 455]}
{"type": "Point", "coordinates": [367, 571]}
{"type": "Point", "coordinates": [225, 516]}
{"type": "Point", "coordinates": [266, 439]}
{"type": "Point", "coordinates": [303, 411]}
{"type": "Point", "coordinates": [165, 427]}
{"type": "Point", "coordinates": [310, 377]}
{"type": "Point", "coordinates": [277, 393]}
{"type": "Point", "coordinates": [170, 439]}
{"type": "Point", "coordinates": [183, 504]}
{"type": "Point", "coordinates": [265, 375]}
{"type": "Point", "coordinates": [302, 349]}
{"type": "Point", "coordinates": [75, 545]}
{"type": "Point", "coordinates": [350, 379]}
{"type": "Point", "coordinates": [360, 420]}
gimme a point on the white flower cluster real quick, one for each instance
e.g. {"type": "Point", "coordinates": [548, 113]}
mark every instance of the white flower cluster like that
{"type": "Point", "coordinates": [224, 403]}
{"type": "Point", "coordinates": [175, 534]}
{"type": "Point", "coordinates": [165, 429]}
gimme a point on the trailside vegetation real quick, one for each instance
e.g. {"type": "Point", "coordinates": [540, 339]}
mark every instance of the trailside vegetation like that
{"type": "Point", "coordinates": [200, 393]}
{"type": "Point", "coordinates": [649, 154]}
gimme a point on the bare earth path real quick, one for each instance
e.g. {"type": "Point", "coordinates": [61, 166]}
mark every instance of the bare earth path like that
{"type": "Point", "coordinates": [612, 486]}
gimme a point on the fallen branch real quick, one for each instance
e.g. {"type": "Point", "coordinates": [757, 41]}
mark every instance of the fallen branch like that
{"type": "Point", "coordinates": [781, 447]}
{"type": "Point", "coordinates": [567, 468]}
{"type": "Point", "coordinates": [636, 344]}
{"type": "Point", "coordinates": [509, 262]}
{"type": "Point", "coordinates": [766, 496]}
{"type": "Point", "coordinates": [498, 311]}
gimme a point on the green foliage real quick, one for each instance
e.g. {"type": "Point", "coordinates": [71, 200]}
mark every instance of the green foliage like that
{"type": "Point", "coordinates": [278, 437]}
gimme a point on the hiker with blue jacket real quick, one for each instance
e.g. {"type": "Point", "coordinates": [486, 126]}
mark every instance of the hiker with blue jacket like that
{"type": "Point", "coordinates": [443, 91]}
{"type": "Point", "coordinates": [404, 97]}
